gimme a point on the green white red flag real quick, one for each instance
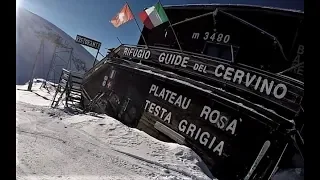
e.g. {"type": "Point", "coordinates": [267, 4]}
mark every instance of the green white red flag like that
{"type": "Point", "coordinates": [153, 16]}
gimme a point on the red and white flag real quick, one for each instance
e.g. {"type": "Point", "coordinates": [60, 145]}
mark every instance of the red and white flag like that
{"type": "Point", "coordinates": [123, 16]}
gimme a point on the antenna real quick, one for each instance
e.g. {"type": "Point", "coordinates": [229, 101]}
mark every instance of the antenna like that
{"type": "Point", "coordinates": [119, 41]}
{"type": "Point", "coordinates": [61, 46]}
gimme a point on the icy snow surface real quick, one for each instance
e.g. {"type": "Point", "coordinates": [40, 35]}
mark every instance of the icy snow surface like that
{"type": "Point", "coordinates": [52, 144]}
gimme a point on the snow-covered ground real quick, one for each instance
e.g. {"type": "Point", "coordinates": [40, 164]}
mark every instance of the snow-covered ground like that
{"type": "Point", "coordinates": [54, 144]}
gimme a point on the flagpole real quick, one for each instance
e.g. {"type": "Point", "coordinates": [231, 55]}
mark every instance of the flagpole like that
{"type": "Point", "coordinates": [137, 25]}
{"type": "Point", "coordinates": [174, 33]}
{"type": "Point", "coordinates": [119, 41]}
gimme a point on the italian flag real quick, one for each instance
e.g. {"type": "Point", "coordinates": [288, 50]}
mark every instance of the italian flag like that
{"type": "Point", "coordinates": [153, 16]}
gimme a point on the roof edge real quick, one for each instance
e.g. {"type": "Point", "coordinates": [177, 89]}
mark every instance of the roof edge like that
{"type": "Point", "coordinates": [236, 5]}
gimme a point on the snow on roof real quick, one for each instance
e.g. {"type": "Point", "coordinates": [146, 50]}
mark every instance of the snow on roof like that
{"type": "Point", "coordinates": [236, 5]}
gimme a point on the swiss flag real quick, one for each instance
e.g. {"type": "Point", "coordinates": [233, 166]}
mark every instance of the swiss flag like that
{"type": "Point", "coordinates": [123, 16]}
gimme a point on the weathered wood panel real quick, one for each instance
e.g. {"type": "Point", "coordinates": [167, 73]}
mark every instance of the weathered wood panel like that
{"type": "Point", "coordinates": [227, 135]}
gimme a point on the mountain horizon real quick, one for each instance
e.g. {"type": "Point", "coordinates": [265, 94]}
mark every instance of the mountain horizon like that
{"type": "Point", "coordinates": [31, 29]}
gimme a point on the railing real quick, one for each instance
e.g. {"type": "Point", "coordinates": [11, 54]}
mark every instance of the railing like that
{"type": "Point", "coordinates": [100, 63]}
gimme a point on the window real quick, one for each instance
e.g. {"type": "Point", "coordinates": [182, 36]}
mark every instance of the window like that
{"type": "Point", "coordinates": [223, 51]}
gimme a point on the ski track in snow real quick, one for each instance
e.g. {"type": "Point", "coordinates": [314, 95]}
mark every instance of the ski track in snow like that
{"type": "Point", "coordinates": [51, 144]}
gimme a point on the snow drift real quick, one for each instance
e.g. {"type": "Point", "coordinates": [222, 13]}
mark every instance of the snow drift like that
{"type": "Point", "coordinates": [53, 144]}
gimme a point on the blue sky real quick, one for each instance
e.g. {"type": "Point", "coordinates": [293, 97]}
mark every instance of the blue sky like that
{"type": "Point", "coordinates": [91, 18]}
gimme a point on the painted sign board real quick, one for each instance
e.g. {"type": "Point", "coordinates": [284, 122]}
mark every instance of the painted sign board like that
{"type": "Point", "coordinates": [267, 38]}
{"type": "Point", "coordinates": [227, 137]}
{"type": "Point", "coordinates": [254, 84]}
{"type": "Point", "coordinates": [88, 42]}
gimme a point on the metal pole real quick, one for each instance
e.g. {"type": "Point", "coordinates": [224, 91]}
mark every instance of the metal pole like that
{"type": "Point", "coordinates": [95, 59]}
{"type": "Point", "coordinates": [261, 154]}
{"type": "Point", "coordinates": [301, 128]}
{"type": "Point", "coordinates": [101, 54]}
{"type": "Point", "coordinates": [190, 19]}
{"type": "Point", "coordinates": [69, 63]}
{"type": "Point", "coordinates": [261, 30]}
{"type": "Point", "coordinates": [44, 84]}
{"type": "Point", "coordinates": [232, 54]}
{"type": "Point", "coordinates": [34, 67]}
{"type": "Point", "coordinates": [138, 26]}
{"type": "Point", "coordinates": [32, 75]}
{"type": "Point", "coordinates": [276, 165]}
{"type": "Point", "coordinates": [174, 33]}
{"type": "Point", "coordinates": [293, 67]}
{"type": "Point", "coordinates": [119, 41]}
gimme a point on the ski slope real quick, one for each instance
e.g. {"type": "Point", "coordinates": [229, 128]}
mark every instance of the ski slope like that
{"type": "Point", "coordinates": [28, 27]}
{"type": "Point", "coordinates": [53, 144]}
